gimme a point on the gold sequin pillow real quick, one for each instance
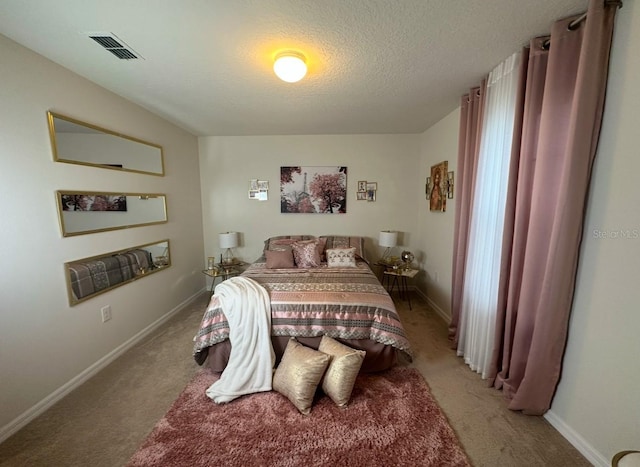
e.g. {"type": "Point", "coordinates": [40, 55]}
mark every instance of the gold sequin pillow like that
{"type": "Point", "coordinates": [299, 373]}
{"type": "Point", "coordinates": [341, 374]}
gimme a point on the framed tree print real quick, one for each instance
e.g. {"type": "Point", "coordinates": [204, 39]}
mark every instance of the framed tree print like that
{"type": "Point", "coordinates": [313, 190]}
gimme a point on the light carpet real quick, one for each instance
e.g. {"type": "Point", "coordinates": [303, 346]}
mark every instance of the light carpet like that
{"type": "Point", "coordinates": [391, 419]}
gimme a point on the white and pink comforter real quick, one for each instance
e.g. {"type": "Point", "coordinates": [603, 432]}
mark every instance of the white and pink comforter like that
{"type": "Point", "coordinates": [346, 303]}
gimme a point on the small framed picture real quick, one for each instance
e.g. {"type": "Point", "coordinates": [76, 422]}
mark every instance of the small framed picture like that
{"type": "Point", "coordinates": [253, 184]}
{"type": "Point", "coordinates": [263, 185]}
{"type": "Point", "coordinates": [450, 185]}
{"type": "Point", "coordinates": [371, 195]}
{"type": "Point", "coordinates": [372, 186]}
{"type": "Point", "coordinates": [362, 186]}
{"type": "Point", "coordinates": [361, 195]}
{"type": "Point", "coordinates": [253, 194]}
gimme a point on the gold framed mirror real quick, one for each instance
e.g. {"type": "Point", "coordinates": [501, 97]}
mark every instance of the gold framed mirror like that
{"type": "Point", "coordinates": [77, 142]}
{"type": "Point", "coordinates": [84, 212]}
{"type": "Point", "coordinates": [95, 275]}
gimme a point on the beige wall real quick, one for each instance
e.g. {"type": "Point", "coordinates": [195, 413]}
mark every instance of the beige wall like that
{"type": "Point", "coordinates": [435, 229]}
{"type": "Point", "coordinates": [228, 163]}
{"type": "Point", "coordinates": [598, 400]}
{"type": "Point", "coordinates": [46, 346]}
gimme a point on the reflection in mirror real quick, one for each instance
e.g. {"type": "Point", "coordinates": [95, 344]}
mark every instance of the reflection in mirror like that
{"type": "Point", "coordinates": [95, 275]}
{"type": "Point", "coordinates": [83, 212]}
{"type": "Point", "coordinates": [77, 142]}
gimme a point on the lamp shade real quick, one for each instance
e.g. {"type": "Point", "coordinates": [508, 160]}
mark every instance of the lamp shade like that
{"type": "Point", "coordinates": [228, 239]}
{"type": "Point", "coordinates": [290, 66]}
{"type": "Point", "coordinates": [388, 238]}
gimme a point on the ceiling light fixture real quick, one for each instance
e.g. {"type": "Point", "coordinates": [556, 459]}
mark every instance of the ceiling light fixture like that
{"type": "Point", "coordinates": [290, 66]}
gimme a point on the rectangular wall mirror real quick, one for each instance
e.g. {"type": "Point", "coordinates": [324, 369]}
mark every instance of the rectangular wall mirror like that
{"type": "Point", "coordinates": [77, 142]}
{"type": "Point", "coordinates": [84, 212]}
{"type": "Point", "coordinates": [88, 277]}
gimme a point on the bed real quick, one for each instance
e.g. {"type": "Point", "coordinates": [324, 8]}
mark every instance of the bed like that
{"type": "Point", "coordinates": [335, 293]}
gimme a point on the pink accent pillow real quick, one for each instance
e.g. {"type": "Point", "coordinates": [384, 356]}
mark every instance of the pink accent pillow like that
{"type": "Point", "coordinates": [322, 244]}
{"type": "Point", "coordinates": [306, 254]}
{"type": "Point", "coordinates": [279, 259]}
{"type": "Point", "coordinates": [284, 240]}
{"type": "Point", "coordinates": [281, 242]}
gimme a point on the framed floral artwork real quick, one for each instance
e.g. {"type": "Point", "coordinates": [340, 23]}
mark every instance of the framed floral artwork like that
{"type": "Point", "coordinates": [313, 190]}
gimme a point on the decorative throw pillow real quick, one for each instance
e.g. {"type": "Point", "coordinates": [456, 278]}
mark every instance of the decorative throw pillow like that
{"type": "Point", "coordinates": [341, 374]}
{"type": "Point", "coordinates": [322, 245]}
{"type": "Point", "coordinates": [279, 259]}
{"type": "Point", "coordinates": [299, 373]}
{"type": "Point", "coordinates": [281, 244]}
{"type": "Point", "coordinates": [341, 258]}
{"type": "Point", "coordinates": [306, 254]}
{"type": "Point", "coordinates": [336, 241]}
{"type": "Point", "coordinates": [270, 242]}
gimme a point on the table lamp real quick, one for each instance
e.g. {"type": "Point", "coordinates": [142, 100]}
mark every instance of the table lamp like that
{"type": "Point", "coordinates": [228, 241]}
{"type": "Point", "coordinates": [388, 239]}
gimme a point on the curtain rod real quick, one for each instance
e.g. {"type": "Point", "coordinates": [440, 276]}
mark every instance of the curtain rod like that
{"type": "Point", "coordinates": [576, 22]}
{"type": "Point", "coordinates": [572, 26]}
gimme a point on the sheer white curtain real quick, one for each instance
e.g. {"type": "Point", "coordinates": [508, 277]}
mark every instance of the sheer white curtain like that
{"type": "Point", "coordinates": [480, 293]}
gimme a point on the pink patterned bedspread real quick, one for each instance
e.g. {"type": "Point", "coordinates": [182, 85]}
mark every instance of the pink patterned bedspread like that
{"type": "Point", "coordinates": [347, 303]}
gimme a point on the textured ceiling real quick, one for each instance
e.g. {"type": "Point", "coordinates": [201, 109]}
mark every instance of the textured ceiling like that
{"type": "Point", "coordinates": [375, 66]}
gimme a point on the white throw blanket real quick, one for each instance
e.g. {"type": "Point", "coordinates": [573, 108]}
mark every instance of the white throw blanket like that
{"type": "Point", "coordinates": [247, 307]}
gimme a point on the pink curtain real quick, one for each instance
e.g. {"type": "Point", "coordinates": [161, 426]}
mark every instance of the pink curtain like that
{"type": "Point", "coordinates": [471, 111]}
{"type": "Point", "coordinates": [563, 105]}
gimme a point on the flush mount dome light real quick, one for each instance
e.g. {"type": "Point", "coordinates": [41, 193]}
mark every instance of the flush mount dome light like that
{"type": "Point", "coordinates": [290, 66]}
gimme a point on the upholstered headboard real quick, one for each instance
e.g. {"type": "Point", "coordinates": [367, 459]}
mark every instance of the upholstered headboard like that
{"type": "Point", "coordinates": [331, 241]}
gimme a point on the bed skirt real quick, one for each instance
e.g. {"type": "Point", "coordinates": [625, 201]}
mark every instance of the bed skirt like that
{"type": "Point", "coordinates": [379, 356]}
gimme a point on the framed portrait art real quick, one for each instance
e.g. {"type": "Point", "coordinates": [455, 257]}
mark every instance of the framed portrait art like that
{"type": "Point", "coordinates": [436, 187]}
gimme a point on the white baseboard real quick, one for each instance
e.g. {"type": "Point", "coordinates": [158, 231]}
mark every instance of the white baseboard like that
{"type": "Point", "coordinates": [30, 414]}
{"type": "Point", "coordinates": [439, 311]}
{"type": "Point", "coordinates": [578, 442]}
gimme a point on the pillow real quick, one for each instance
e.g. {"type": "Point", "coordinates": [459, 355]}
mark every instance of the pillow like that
{"type": "Point", "coordinates": [284, 239]}
{"type": "Point", "coordinates": [282, 244]}
{"type": "Point", "coordinates": [334, 241]}
{"type": "Point", "coordinates": [306, 254]}
{"type": "Point", "coordinates": [341, 374]}
{"type": "Point", "coordinates": [299, 373]}
{"type": "Point", "coordinates": [279, 259]}
{"type": "Point", "coordinates": [341, 258]}
{"type": "Point", "coordinates": [322, 245]}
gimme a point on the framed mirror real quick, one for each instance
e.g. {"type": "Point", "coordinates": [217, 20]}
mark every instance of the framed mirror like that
{"type": "Point", "coordinates": [84, 212]}
{"type": "Point", "coordinates": [89, 277]}
{"type": "Point", "coordinates": [77, 142]}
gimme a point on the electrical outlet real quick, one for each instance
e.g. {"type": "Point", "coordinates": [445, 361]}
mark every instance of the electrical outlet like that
{"type": "Point", "coordinates": [106, 313]}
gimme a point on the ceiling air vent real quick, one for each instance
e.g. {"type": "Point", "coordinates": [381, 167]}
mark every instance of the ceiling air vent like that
{"type": "Point", "coordinates": [114, 45]}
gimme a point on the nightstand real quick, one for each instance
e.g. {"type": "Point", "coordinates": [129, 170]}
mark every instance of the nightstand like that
{"type": "Point", "coordinates": [383, 265]}
{"type": "Point", "coordinates": [224, 272]}
{"type": "Point", "coordinates": [398, 278]}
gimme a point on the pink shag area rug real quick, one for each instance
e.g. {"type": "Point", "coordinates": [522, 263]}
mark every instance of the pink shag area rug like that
{"type": "Point", "coordinates": [391, 420]}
